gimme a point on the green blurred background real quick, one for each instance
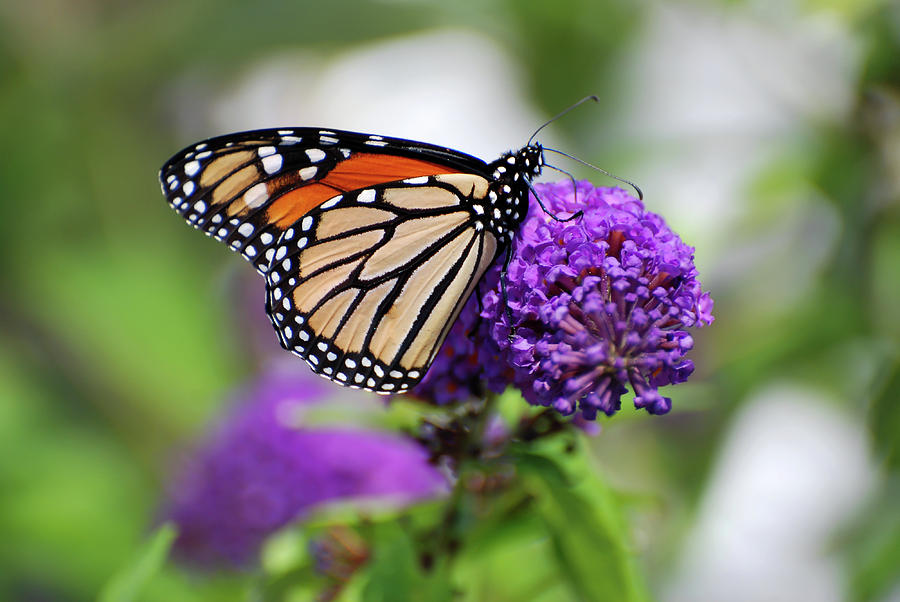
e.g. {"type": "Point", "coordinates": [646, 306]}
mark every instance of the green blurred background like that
{"type": "Point", "coordinates": [766, 133]}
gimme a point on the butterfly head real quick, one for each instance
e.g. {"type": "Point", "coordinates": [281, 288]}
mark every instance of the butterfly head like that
{"type": "Point", "coordinates": [515, 166]}
{"type": "Point", "coordinates": [530, 160]}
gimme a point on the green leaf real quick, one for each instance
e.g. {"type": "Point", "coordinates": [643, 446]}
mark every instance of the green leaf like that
{"type": "Point", "coordinates": [583, 519]}
{"type": "Point", "coordinates": [285, 551]}
{"type": "Point", "coordinates": [131, 579]}
{"type": "Point", "coordinates": [884, 416]}
{"type": "Point", "coordinates": [394, 572]}
{"type": "Point", "coordinates": [872, 547]}
{"type": "Point", "coordinates": [490, 564]}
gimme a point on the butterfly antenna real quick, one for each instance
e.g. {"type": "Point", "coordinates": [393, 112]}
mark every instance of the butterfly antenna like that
{"type": "Point", "coordinates": [603, 171]}
{"type": "Point", "coordinates": [560, 114]}
{"type": "Point", "coordinates": [556, 218]}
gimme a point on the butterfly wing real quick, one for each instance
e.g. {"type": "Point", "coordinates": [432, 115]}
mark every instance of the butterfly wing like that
{"type": "Point", "coordinates": [246, 189]}
{"type": "Point", "coordinates": [366, 286]}
{"type": "Point", "coordinates": [370, 245]}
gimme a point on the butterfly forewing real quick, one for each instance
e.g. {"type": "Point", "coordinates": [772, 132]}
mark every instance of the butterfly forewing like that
{"type": "Point", "coordinates": [247, 189]}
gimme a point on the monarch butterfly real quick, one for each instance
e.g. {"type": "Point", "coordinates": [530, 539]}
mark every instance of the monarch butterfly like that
{"type": "Point", "coordinates": [369, 245]}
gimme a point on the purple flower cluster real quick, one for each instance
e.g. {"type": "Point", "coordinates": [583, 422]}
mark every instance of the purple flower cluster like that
{"type": "Point", "coordinates": [596, 305]}
{"type": "Point", "coordinates": [261, 470]}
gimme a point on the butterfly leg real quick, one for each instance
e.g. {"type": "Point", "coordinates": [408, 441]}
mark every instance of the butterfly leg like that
{"type": "Point", "coordinates": [553, 216]}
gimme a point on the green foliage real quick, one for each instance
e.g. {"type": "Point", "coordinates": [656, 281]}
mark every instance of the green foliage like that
{"type": "Point", "coordinates": [395, 572]}
{"type": "Point", "coordinates": [872, 547]}
{"type": "Point", "coordinates": [585, 523]}
{"type": "Point", "coordinates": [127, 584]}
{"type": "Point", "coordinates": [884, 416]}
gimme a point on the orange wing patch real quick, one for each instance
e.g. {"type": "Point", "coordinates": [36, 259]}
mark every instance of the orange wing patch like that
{"type": "Point", "coordinates": [360, 170]}
{"type": "Point", "coordinates": [293, 205]}
{"type": "Point", "coordinates": [367, 169]}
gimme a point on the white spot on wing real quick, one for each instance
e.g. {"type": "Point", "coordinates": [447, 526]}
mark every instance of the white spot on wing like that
{"type": "Point", "coordinates": [315, 154]}
{"type": "Point", "coordinates": [246, 229]}
{"type": "Point", "coordinates": [272, 163]}
{"type": "Point", "coordinates": [256, 195]}
{"type": "Point", "coordinates": [332, 202]}
{"type": "Point", "coordinates": [265, 151]}
{"type": "Point", "coordinates": [308, 172]}
{"type": "Point", "coordinates": [191, 168]}
{"type": "Point", "coordinates": [366, 196]}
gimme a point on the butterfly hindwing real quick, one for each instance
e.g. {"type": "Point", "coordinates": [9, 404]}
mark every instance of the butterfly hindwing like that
{"type": "Point", "coordinates": [365, 286]}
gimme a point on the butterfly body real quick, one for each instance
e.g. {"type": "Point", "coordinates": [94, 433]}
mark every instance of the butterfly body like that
{"type": "Point", "coordinates": [369, 245]}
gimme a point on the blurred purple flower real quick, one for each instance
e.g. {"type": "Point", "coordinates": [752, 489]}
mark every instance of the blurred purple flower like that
{"type": "Point", "coordinates": [597, 303]}
{"type": "Point", "coordinates": [260, 470]}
